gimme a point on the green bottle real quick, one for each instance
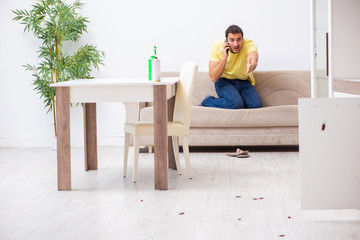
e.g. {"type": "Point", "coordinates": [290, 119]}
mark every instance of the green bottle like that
{"type": "Point", "coordinates": [149, 63]}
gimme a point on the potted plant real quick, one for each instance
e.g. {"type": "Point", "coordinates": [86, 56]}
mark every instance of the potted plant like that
{"type": "Point", "coordinates": [55, 23]}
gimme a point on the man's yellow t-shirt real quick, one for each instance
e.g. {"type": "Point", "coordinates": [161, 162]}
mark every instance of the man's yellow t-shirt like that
{"type": "Point", "coordinates": [236, 64]}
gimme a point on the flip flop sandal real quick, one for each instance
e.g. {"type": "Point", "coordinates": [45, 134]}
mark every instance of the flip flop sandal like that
{"type": "Point", "coordinates": [243, 156]}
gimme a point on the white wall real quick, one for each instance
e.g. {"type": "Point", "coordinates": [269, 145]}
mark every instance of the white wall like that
{"type": "Point", "coordinates": [126, 31]}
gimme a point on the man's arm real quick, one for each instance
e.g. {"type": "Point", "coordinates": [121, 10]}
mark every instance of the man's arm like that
{"type": "Point", "coordinates": [216, 69]}
{"type": "Point", "coordinates": [252, 61]}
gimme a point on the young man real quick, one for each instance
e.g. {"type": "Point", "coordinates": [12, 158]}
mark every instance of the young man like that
{"type": "Point", "coordinates": [231, 64]}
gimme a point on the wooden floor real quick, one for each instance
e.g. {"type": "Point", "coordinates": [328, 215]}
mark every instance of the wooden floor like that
{"type": "Point", "coordinates": [228, 198]}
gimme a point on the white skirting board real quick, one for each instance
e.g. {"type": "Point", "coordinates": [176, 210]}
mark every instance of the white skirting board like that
{"type": "Point", "coordinates": [76, 141]}
{"type": "Point", "coordinates": [329, 145]}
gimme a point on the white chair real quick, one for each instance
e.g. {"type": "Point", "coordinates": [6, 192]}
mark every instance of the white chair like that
{"type": "Point", "coordinates": [180, 125]}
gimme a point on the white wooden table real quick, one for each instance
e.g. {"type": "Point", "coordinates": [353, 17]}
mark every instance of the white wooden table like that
{"type": "Point", "coordinates": [92, 91]}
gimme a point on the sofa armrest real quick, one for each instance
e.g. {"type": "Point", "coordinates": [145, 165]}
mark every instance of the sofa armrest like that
{"type": "Point", "coordinates": [133, 110]}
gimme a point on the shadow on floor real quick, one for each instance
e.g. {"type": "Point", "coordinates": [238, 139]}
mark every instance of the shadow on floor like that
{"type": "Point", "coordinates": [290, 148]}
{"type": "Point", "coordinates": [249, 148]}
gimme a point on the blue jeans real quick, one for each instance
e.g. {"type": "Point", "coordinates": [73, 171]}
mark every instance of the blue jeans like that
{"type": "Point", "coordinates": [233, 94]}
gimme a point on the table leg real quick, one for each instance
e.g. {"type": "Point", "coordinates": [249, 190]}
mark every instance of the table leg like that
{"type": "Point", "coordinates": [171, 155]}
{"type": "Point", "coordinates": [90, 136]}
{"type": "Point", "coordinates": [63, 138]}
{"type": "Point", "coordinates": [160, 137]}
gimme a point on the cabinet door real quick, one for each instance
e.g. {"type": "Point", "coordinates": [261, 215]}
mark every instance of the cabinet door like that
{"type": "Point", "coordinates": [345, 39]}
{"type": "Point", "coordinates": [329, 150]}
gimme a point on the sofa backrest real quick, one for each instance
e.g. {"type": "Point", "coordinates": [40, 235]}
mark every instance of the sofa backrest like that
{"type": "Point", "coordinates": [282, 87]}
{"type": "Point", "coordinates": [203, 86]}
{"type": "Point", "coordinates": [274, 87]}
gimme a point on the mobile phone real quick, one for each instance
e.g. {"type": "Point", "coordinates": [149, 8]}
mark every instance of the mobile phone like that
{"type": "Point", "coordinates": [227, 50]}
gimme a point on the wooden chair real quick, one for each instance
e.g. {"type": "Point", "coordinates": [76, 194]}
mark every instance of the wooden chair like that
{"type": "Point", "coordinates": [179, 127]}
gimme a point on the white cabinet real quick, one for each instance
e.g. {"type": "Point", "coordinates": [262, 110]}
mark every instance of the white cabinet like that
{"type": "Point", "coordinates": [329, 128]}
{"type": "Point", "coordinates": [329, 139]}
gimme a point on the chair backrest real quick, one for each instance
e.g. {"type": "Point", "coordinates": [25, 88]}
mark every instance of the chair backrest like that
{"type": "Point", "coordinates": [184, 94]}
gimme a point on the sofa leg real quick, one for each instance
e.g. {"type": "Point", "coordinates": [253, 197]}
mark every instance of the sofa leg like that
{"type": "Point", "coordinates": [150, 148]}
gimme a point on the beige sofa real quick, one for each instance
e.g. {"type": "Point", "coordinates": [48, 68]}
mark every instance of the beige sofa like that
{"type": "Point", "coordinates": [274, 124]}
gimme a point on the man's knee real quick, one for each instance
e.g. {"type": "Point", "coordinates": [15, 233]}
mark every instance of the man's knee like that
{"type": "Point", "coordinates": [236, 104]}
{"type": "Point", "coordinates": [254, 104]}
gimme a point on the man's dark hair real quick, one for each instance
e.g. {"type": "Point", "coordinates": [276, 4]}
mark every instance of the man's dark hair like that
{"type": "Point", "coordinates": [233, 29]}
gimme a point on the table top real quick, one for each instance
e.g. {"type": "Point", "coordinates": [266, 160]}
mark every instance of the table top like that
{"type": "Point", "coordinates": [114, 82]}
{"type": "Point", "coordinates": [347, 85]}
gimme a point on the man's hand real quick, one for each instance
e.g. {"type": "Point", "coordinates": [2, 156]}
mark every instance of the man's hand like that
{"type": "Point", "coordinates": [252, 61]}
{"type": "Point", "coordinates": [251, 65]}
{"type": "Point", "coordinates": [226, 50]}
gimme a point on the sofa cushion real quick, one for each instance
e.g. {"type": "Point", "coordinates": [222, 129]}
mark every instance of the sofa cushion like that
{"type": "Point", "coordinates": [275, 116]}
